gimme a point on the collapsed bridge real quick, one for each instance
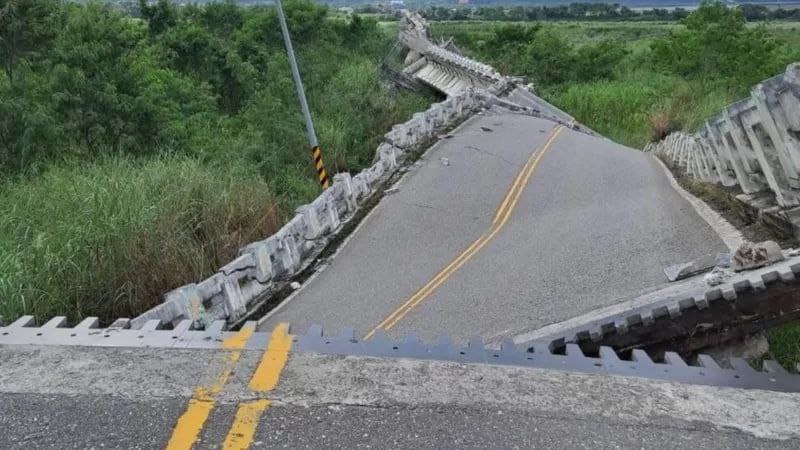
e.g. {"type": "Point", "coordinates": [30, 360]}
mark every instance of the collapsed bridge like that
{"type": "Point", "coordinates": [490, 214]}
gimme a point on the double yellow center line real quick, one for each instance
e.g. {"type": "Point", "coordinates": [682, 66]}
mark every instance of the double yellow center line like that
{"type": "Point", "coordinates": [190, 424]}
{"type": "Point", "coordinates": [264, 379]}
{"type": "Point", "coordinates": [266, 376]}
{"type": "Point", "coordinates": [500, 218]}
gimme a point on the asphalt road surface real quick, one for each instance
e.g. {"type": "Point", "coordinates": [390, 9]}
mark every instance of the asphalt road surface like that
{"type": "Point", "coordinates": [79, 397]}
{"type": "Point", "coordinates": [510, 224]}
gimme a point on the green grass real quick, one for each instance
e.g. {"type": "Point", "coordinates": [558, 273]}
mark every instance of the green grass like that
{"type": "Point", "coordinates": [105, 239]}
{"type": "Point", "coordinates": [784, 344]}
{"type": "Point", "coordinates": [601, 104]}
{"type": "Point", "coordinates": [625, 109]}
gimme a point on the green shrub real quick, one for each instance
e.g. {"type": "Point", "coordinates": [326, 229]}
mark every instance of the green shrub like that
{"type": "Point", "coordinates": [598, 61]}
{"type": "Point", "coordinates": [716, 43]}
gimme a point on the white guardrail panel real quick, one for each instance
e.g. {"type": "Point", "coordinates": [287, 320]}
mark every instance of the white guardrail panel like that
{"type": "Point", "coordinates": [753, 143]}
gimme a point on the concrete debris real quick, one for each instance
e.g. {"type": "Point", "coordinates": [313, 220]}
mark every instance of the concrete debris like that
{"type": "Point", "coordinates": [723, 260]}
{"type": "Point", "coordinates": [392, 190]}
{"type": "Point", "coordinates": [716, 276]}
{"type": "Point", "coordinates": [685, 270]}
{"type": "Point", "coordinates": [679, 271]}
{"type": "Point", "coordinates": [792, 252]}
{"type": "Point", "coordinates": [445, 161]}
{"type": "Point", "coordinates": [752, 256]}
{"type": "Point", "coordinates": [749, 347]}
{"type": "Point", "coordinates": [444, 136]}
{"type": "Point", "coordinates": [295, 285]}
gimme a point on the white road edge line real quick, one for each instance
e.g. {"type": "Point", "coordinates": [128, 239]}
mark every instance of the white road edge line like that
{"type": "Point", "coordinates": [729, 234]}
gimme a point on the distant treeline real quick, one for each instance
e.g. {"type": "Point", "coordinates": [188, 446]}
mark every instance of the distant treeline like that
{"type": "Point", "coordinates": [591, 11]}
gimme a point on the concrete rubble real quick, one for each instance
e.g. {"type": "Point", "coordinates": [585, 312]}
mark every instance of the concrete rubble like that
{"type": "Point", "coordinates": [751, 256]}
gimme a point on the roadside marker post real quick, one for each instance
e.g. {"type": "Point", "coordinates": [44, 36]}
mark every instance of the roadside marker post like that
{"type": "Point", "coordinates": [316, 153]}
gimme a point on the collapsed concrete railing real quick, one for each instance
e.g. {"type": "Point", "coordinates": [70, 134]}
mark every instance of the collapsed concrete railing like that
{"type": "Point", "coordinates": [439, 67]}
{"type": "Point", "coordinates": [753, 143]}
{"type": "Point", "coordinates": [263, 266]}
{"type": "Point", "coordinates": [450, 73]}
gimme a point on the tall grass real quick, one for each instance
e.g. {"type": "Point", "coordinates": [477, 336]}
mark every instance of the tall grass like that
{"type": "Point", "coordinates": [637, 108]}
{"type": "Point", "coordinates": [109, 238]}
{"type": "Point", "coordinates": [603, 104]}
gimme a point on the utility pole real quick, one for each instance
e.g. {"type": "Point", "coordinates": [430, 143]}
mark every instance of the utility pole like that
{"type": "Point", "coordinates": [316, 153]}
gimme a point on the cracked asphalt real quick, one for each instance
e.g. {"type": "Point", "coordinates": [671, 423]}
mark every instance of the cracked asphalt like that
{"type": "Point", "coordinates": [595, 225]}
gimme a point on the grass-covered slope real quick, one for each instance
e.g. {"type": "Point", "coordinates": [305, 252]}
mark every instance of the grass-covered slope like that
{"type": "Point", "coordinates": [140, 151]}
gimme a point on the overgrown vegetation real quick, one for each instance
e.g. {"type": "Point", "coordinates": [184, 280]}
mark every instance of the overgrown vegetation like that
{"type": "Point", "coordinates": [140, 153]}
{"type": "Point", "coordinates": [577, 10]}
{"type": "Point", "coordinates": [636, 82]}
{"type": "Point", "coordinates": [608, 12]}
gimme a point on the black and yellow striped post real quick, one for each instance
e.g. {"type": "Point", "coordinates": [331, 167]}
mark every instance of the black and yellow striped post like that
{"type": "Point", "coordinates": [316, 155]}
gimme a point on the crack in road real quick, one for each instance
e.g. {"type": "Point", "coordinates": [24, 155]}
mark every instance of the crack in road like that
{"type": "Point", "coordinates": [486, 152]}
{"type": "Point", "coordinates": [422, 205]}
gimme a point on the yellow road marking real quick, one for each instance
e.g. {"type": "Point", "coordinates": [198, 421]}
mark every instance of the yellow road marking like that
{"type": "Point", "coordinates": [190, 424]}
{"type": "Point", "coordinates": [501, 217]}
{"type": "Point", "coordinates": [244, 425]}
{"type": "Point", "coordinates": [274, 359]}
{"type": "Point", "coordinates": [265, 379]}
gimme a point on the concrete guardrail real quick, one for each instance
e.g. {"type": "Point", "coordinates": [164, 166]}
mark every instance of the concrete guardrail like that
{"type": "Point", "coordinates": [753, 143]}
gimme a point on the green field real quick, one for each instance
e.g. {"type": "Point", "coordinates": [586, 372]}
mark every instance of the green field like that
{"type": "Point", "coordinates": [635, 97]}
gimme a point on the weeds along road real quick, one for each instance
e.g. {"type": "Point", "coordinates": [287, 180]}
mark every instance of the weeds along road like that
{"type": "Point", "coordinates": [512, 223]}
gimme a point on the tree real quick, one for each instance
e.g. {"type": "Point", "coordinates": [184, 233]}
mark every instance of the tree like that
{"type": "Point", "coordinates": [549, 58]}
{"type": "Point", "coordinates": [717, 43]}
{"type": "Point", "coordinates": [160, 16]}
{"type": "Point", "coordinates": [29, 130]}
{"type": "Point", "coordinates": [26, 28]}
